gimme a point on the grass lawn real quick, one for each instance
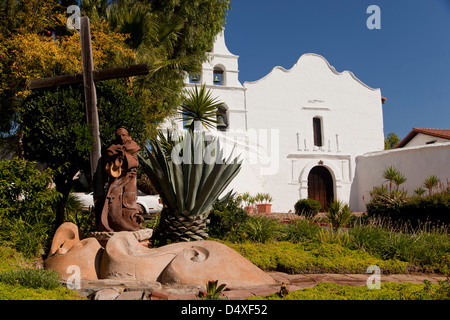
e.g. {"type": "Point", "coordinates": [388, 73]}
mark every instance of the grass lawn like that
{"type": "Point", "coordinates": [18, 281]}
{"type": "Point", "coordinates": [312, 257]}
{"type": "Point", "coordinates": [388, 291]}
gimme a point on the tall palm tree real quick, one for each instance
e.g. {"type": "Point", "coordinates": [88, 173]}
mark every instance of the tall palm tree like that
{"type": "Point", "coordinates": [199, 106]}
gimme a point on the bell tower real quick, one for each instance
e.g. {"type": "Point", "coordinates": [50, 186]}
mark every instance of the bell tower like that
{"type": "Point", "coordinates": [220, 74]}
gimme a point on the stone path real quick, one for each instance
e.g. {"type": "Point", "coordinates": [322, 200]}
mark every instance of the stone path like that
{"type": "Point", "coordinates": [134, 290]}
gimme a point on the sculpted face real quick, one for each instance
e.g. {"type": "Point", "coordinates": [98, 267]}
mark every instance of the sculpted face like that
{"type": "Point", "coordinates": [122, 135]}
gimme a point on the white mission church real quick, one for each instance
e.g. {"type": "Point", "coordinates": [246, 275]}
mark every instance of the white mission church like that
{"type": "Point", "coordinates": [300, 131]}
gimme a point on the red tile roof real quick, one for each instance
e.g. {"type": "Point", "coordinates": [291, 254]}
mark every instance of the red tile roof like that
{"type": "Point", "coordinates": [440, 133]}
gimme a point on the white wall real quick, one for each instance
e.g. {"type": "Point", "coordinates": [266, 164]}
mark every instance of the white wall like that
{"type": "Point", "coordinates": [287, 100]}
{"type": "Point", "coordinates": [415, 163]}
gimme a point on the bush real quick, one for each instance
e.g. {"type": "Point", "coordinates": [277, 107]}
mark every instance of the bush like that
{"type": "Point", "coordinates": [226, 219]}
{"type": "Point", "coordinates": [261, 229]}
{"type": "Point", "coordinates": [338, 214]}
{"type": "Point", "coordinates": [384, 203]}
{"type": "Point", "coordinates": [398, 207]}
{"type": "Point", "coordinates": [300, 230]}
{"type": "Point", "coordinates": [85, 220]}
{"type": "Point", "coordinates": [26, 214]}
{"type": "Point", "coordinates": [423, 247]}
{"type": "Point", "coordinates": [308, 208]}
{"type": "Point", "coordinates": [434, 208]}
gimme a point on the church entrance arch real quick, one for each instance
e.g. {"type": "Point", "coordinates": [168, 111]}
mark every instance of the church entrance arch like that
{"type": "Point", "coordinates": [320, 186]}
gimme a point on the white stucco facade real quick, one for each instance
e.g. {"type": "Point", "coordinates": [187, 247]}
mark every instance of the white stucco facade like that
{"type": "Point", "coordinates": [416, 163]}
{"type": "Point", "coordinates": [271, 122]}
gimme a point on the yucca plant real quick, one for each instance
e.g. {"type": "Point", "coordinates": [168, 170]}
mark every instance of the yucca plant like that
{"type": "Point", "coordinates": [431, 182]}
{"type": "Point", "coordinates": [392, 174]}
{"type": "Point", "coordinates": [338, 214]}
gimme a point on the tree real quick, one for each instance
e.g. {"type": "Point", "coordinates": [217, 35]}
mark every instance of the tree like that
{"type": "Point", "coordinates": [391, 141]}
{"type": "Point", "coordinates": [171, 36]}
{"type": "Point", "coordinates": [57, 135]}
{"type": "Point", "coordinates": [38, 45]}
{"type": "Point", "coordinates": [199, 106]}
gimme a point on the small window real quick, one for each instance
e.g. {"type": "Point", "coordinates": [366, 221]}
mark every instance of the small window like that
{"type": "Point", "coordinates": [218, 76]}
{"type": "Point", "coordinates": [194, 78]}
{"type": "Point", "coordinates": [317, 129]}
{"type": "Point", "coordinates": [431, 142]}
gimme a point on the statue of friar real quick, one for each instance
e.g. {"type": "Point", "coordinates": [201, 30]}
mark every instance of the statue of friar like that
{"type": "Point", "coordinates": [120, 211]}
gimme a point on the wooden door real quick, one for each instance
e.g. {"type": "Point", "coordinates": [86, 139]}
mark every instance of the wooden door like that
{"type": "Point", "coordinates": [320, 186]}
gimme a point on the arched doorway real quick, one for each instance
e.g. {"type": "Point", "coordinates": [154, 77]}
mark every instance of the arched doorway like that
{"type": "Point", "coordinates": [320, 186]}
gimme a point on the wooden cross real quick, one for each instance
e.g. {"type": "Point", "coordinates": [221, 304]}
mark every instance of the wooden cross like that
{"type": "Point", "coordinates": [88, 77]}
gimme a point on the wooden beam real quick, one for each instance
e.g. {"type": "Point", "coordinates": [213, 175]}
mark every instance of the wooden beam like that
{"type": "Point", "coordinates": [99, 75]}
{"type": "Point", "coordinates": [90, 98]}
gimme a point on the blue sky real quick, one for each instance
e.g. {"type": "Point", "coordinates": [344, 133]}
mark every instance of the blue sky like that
{"type": "Point", "coordinates": [408, 58]}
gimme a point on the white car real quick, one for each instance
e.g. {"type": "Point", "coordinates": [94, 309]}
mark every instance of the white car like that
{"type": "Point", "coordinates": [150, 204]}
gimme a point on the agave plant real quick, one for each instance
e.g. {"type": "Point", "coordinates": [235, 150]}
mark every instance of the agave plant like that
{"type": "Point", "coordinates": [189, 181]}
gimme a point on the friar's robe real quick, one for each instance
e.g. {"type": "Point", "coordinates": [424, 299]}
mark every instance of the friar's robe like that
{"type": "Point", "coordinates": [120, 211]}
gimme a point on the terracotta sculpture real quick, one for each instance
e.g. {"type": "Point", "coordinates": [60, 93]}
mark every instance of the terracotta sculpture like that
{"type": "Point", "coordinates": [120, 212]}
{"type": "Point", "coordinates": [124, 258]}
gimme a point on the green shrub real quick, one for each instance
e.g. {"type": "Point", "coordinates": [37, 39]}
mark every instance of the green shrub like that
{"type": "Point", "coordinates": [384, 203]}
{"type": "Point", "coordinates": [308, 208]}
{"type": "Point", "coordinates": [31, 278]}
{"type": "Point", "coordinates": [300, 230]}
{"type": "Point", "coordinates": [338, 214]}
{"type": "Point", "coordinates": [261, 228]}
{"type": "Point", "coordinates": [85, 220]}
{"type": "Point", "coordinates": [434, 208]}
{"type": "Point", "coordinates": [26, 214]}
{"type": "Point", "coordinates": [397, 206]}
{"type": "Point", "coordinates": [227, 218]}
{"type": "Point", "coordinates": [422, 247]}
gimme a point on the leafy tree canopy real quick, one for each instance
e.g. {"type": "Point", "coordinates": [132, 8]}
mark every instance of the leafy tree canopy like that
{"type": "Point", "coordinates": [391, 141]}
{"type": "Point", "coordinates": [172, 36]}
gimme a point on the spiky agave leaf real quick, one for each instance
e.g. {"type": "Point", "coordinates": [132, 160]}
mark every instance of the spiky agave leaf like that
{"type": "Point", "coordinates": [188, 185]}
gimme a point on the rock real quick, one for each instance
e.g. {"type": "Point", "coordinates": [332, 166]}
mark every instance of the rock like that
{"type": "Point", "coordinates": [106, 294]}
{"type": "Point", "coordinates": [186, 263]}
{"type": "Point", "coordinates": [131, 295]}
